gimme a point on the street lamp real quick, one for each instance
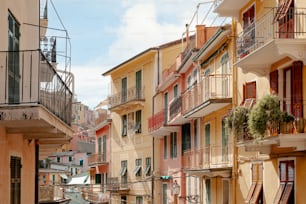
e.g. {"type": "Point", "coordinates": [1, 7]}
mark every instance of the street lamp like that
{"type": "Point", "coordinates": [176, 190]}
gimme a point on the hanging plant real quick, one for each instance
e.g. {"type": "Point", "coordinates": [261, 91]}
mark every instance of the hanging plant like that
{"type": "Point", "coordinates": [265, 115]}
{"type": "Point", "coordinates": [237, 121]}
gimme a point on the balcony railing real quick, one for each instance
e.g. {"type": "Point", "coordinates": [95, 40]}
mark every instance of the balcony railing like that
{"type": "Point", "coordinates": [168, 72]}
{"type": "Point", "coordinates": [211, 87]}
{"type": "Point", "coordinates": [193, 159]}
{"type": "Point", "coordinates": [218, 156]}
{"type": "Point", "coordinates": [29, 79]}
{"type": "Point", "coordinates": [114, 185]}
{"type": "Point", "coordinates": [51, 193]}
{"type": "Point", "coordinates": [175, 107]}
{"type": "Point", "coordinates": [97, 159]}
{"type": "Point", "coordinates": [131, 94]}
{"type": "Point", "coordinates": [95, 194]}
{"type": "Point", "coordinates": [156, 121]}
{"type": "Point", "coordinates": [269, 27]}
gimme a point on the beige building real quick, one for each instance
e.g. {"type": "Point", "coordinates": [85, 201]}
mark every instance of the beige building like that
{"type": "Point", "coordinates": [132, 88]}
{"type": "Point", "coordinates": [270, 62]}
{"type": "Point", "coordinates": [35, 102]}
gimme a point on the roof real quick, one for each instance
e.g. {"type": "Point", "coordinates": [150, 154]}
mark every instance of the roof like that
{"type": "Point", "coordinates": [152, 49]}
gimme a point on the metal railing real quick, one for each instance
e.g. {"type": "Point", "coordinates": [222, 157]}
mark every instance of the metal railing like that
{"type": "Point", "coordinates": [271, 26]}
{"type": "Point", "coordinates": [218, 156]}
{"type": "Point", "coordinates": [96, 159]}
{"type": "Point", "coordinates": [193, 159]}
{"type": "Point", "coordinates": [156, 121]}
{"type": "Point", "coordinates": [95, 194]}
{"type": "Point", "coordinates": [218, 86]}
{"type": "Point", "coordinates": [29, 79]}
{"type": "Point", "coordinates": [131, 94]}
{"type": "Point", "coordinates": [175, 107]}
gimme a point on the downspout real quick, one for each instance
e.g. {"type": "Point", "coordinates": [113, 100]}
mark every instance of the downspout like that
{"type": "Point", "coordinates": [153, 139]}
{"type": "Point", "coordinates": [36, 171]}
{"type": "Point", "coordinates": [235, 100]}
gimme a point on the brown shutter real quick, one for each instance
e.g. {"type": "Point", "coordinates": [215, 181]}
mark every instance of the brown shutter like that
{"type": "Point", "coordinates": [297, 95]}
{"type": "Point", "coordinates": [286, 193]}
{"type": "Point", "coordinates": [256, 193]}
{"type": "Point", "coordinates": [251, 89]}
{"type": "Point", "coordinates": [279, 193]}
{"type": "Point", "coordinates": [250, 193]}
{"type": "Point", "coordinates": [274, 82]}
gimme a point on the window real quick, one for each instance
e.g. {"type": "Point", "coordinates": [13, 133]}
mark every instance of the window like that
{"type": "Point", "coordinates": [195, 76]}
{"type": "Point", "coordinates": [53, 179]}
{"type": "Point", "coordinates": [189, 83]}
{"type": "Point", "coordinates": [164, 193]}
{"type": "Point", "coordinates": [70, 158]}
{"type": "Point", "coordinates": [98, 178]}
{"type": "Point", "coordinates": [207, 144]}
{"type": "Point", "coordinates": [124, 125]}
{"type": "Point", "coordinates": [186, 138]}
{"type": "Point", "coordinates": [124, 90]}
{"type": "Point", "coordinates": [165, 147]}
{"type": "Point", "coordinates": [104, 148]}
{"type": "Point", "coordinates": [138, 164]}
{"type": "Point", "coordinates": [123, 200]}
{"type": "Point", "coordinates": [195, 133]}
{"type": "Point", "coordinates": [255, 194]}
{"type": "Point", "coordinates": [248, 17]}
{"type": "Point", "coordinates": [131, 122]}
{"type": "Point", "coordinates": [249, 94]}
{"type": "Point", "coordinates": [13, 60]}
{"type": "Point", "coordinates": [173, 145]}
{"type": "Point", "coordinates": [224, 142]}
{"type": "Point", "coordinates": [148, 166]}
{"type": "Point", "coordinates": [99, 145]}
{"type": "Point", "coordinates": [175, 91]}
{"type": "Point", "coordinates": [58, 159]}
{"type": "Point", "coordinates": [138, 85]}
{"type": "Point", "coordinates": [225, 191]}
{"type": "Point", "coordinates": [139, 200]}
{"type": "Point", "coordinates": [208, 190]}
{"type": "Point", "coordinates": [166, 108]}
{"type": "Point", "coordinates": [138, 122]}
{"type": "Point", "coordinates": [81, 162]}
{"type": "Point", "coordinates": [123, 172]}
{"type": "Point", "coordinates": [15, 165]}
{"type": "Point", "coordinates": [285, 193]}
{"type": "Point", "coordinates": [225, 75]}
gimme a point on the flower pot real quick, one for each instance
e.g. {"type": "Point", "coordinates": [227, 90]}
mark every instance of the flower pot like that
{"type": "Point", "coordinates": [287, 127]}
{"type": "Point", "coordinates": [299, 124]}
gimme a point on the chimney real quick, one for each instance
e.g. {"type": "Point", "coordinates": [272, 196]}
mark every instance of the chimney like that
{"type": "Point", "coordinates": [200, 36]}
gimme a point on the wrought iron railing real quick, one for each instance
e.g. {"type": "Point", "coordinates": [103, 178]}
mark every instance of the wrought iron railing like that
{"type": "Point", "coordinates": [29, 79]}
{"type": "Point", "coordinates": [131, 94]}
{"type": "Point", "coordinates": [218, 86]}
{"type": "Point", "coordinates": [271, 26]}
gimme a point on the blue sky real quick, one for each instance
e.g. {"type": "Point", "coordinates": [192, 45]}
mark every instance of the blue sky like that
{"type": "Point", "coordinates": [104, 33]}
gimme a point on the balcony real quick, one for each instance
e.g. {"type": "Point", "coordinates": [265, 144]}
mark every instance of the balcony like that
{"type": "Point", "coordinates": [212, 93]}
{"type": "Point", "coordinates": [130, 98]}
{"type": "Point", "coordinates": [168, 77]}
{"type": "Point", "coordinates": [218, 156]}
{"type": "Point", "coordinates": [175, 112]}
{"type": "Point", "coordinates": [193, 159]}
{"type": "Point", "coordinates": [95, 194]}
{"type": "Point", "coordinates": [52, 194]}
{"type": "Point", "coordinates": [279, 136]}
{"type": "Point", "coordinates": [271, 39]}
{"type": "Point", "coordinates": [34, 100]}
{"type": "Point", "coordinates": [113, 185]}
{"type": "Point", "coordinates": [158, 126]}
{"type": "Point", "coordinates": [230, 8]}
{"type": "Point", "coordinates": [97, 159]}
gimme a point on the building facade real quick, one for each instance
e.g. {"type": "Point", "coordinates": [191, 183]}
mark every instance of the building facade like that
{"type": "Point", "coordinates": [35, 101]}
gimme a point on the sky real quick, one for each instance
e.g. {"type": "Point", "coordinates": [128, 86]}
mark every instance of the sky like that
{"type": "Point", "coordinates": [105, 33]}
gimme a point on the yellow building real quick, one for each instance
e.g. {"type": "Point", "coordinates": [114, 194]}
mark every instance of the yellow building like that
{"type": "Point", "coordinates": [35, 114]}
{"type": "Point", "coordinates": [132, 88]}
{"type": "Point", "coordinates": [270, 58]}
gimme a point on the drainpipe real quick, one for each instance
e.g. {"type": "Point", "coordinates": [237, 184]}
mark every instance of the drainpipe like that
{"type": "Point", "coordinates": [36, 171]}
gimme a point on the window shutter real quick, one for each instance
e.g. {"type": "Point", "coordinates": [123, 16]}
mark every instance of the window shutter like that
{"type": "Point", "coordinates": [250, 193]}
{"type": "Point", "coordinates": [297, 95]}
{"type": "Point", "coordinates": [279, 193]}
{"type": "Point", "coordinates": [256, 193]}
{"type": "Point", "coordinates": [274, 82]}
{"type": "Point", "coordinates": [287, 192]}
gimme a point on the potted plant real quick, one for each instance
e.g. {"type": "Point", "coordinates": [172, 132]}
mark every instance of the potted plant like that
{"type": "Point", "coordinates": [299, 124]}
{"type": "Point", "coordinates": [265, 117]}
{"type": "Point", "coordinates": [287, 123]}
{"type": "Point", "coordinates": [237, 122]}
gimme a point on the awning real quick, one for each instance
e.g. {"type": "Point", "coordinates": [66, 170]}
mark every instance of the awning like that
{"type": "Point", "coordinates": [81, 180]}
{"type": "Point", "coordinates": [225, 173]}
{"type": "Point", "coordinates": [64, 176]}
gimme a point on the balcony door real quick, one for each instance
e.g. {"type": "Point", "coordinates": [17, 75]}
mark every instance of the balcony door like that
{"type": "Point", "coordinates": [13, 61]}
{"type": "Point", "coordinates": [138, 85]}
{"type": "Point", "coordinates": [124, 90]}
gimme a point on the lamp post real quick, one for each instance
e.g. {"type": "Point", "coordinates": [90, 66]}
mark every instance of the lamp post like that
{"type": "Point", "coordinates": [176, 191]}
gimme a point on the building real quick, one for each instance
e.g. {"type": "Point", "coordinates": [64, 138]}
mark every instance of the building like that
{"type": "Point", "coordinates": [270, 64]}
{"type": "Point", "coordinates": [35, 100]}
{"type": "Point", "coordinates": [132, 148]}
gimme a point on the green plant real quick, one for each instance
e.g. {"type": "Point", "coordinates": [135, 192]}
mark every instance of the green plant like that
{"type": "Point", "coordinates": [286, 117]}
{"type": "Point", "coordinates": [237, 120]}
{"type": "Point", "coordinates": [265, 114]}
